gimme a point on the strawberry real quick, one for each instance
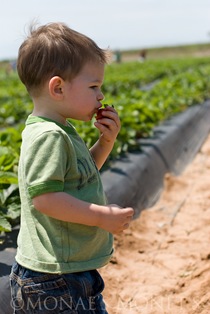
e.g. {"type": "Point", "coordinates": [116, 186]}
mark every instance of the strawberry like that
{"type": "Point", "coordinates": [99, 113]}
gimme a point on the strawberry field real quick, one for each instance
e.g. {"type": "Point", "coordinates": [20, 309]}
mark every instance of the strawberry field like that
{"type": "Point", "coordinates": [144, 95]}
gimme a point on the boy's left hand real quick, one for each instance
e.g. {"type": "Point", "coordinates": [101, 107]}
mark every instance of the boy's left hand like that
{"type": "Point", "coordinates": [108, 123]}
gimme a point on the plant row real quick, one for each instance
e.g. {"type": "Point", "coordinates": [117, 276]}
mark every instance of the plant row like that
{"type": "Point", "coordinates": [144, 95]}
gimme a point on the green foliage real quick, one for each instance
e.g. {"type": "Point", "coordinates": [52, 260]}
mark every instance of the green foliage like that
{"type": "Point", "coordinates": [10, 141]}
{"type": "Point", "coordinates": [144, 94]}
{"type": "Point", "coordinates": [15, 102]}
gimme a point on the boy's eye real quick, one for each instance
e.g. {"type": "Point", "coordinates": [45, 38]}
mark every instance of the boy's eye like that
{"type": "Point", "coordinates": [94, 86]}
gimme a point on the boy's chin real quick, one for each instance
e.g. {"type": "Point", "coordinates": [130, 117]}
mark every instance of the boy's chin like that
{"type": "Point", "coordinates": [85, 119]}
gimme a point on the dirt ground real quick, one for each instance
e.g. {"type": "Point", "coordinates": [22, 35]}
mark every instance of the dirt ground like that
{"type": "Point", "coordinates": [162, 262]}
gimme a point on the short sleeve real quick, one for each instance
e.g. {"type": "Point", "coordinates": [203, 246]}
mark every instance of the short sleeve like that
{"type": "Point", "coordinates": [46, 160]}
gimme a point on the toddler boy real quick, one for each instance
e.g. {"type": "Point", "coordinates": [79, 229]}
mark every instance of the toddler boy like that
{"type": "Point", "coordinates": [66, 226]}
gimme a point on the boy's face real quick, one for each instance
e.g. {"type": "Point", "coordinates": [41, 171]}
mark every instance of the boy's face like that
{"type": "Point", "coordinates": [83, 94]}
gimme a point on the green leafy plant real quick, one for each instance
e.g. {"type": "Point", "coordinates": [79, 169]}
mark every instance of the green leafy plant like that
{"type": "Point", "coordinates": [144, 94]}
{"type": "Point", "coordinates": [10, 141]}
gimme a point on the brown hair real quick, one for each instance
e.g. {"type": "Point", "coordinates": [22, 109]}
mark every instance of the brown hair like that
{"type": "Point", "coordinates": [55, 49]}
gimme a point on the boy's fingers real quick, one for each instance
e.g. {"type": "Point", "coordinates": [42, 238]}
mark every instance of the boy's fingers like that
{"type": "Point", "coordinates": [126, 226]}
{"type": "Point", "coordinates": [130, 211]}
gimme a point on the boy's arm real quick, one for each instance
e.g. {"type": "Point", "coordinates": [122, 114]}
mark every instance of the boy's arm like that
{"type": "Point", "coordinates": [109, 127]}
{"type": "Point", "coordinates": [65, 207]}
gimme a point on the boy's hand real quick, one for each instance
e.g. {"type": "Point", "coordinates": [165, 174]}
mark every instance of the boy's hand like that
{"type": "Point", "coordinates": [115, 219]}
{"type": "Point", "coordinates": [108, 123]}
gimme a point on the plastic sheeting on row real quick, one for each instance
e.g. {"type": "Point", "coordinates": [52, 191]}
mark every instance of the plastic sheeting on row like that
{"type": "Point", "coordinates": [137, 180]}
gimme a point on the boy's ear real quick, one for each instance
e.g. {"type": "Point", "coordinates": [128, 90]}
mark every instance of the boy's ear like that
{"type": "Point", "coordinates": [56, 84]}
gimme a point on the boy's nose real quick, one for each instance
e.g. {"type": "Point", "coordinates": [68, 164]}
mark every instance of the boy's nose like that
{"type": "Point", "coordinates": [100, 96]}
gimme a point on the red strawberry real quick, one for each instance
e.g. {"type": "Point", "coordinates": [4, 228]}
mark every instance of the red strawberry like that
{"type": "Point", "coordinates": [99, 113]}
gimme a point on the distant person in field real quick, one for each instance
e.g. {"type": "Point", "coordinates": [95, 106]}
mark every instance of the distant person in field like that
{"type": "Point", "coordinates": [118, 56]}
{"type": "Point", "coordinates": [142, 55]}
{"type": "Point", "coordinates": [67, 227]}
{"type": "Point", "coordinates": [11, 67]}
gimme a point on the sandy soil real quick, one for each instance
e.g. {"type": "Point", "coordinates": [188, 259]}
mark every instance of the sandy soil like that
{"type": "Point", "coordinates": [162, 262]}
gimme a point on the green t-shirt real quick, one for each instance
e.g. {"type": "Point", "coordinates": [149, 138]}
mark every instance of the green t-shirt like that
{"type": "Point", "coordinates": [53, 159]}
